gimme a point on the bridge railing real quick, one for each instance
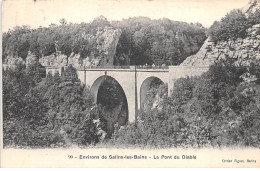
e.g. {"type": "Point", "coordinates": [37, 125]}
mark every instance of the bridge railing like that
{"type": "Point", "coordinates": [106, 67]}
{"type": "Point", "coordinates": [126, 67]}
{"type": "Point", "coordinates": [152, 67]}
{"type": "Point", "coordinates": [117, 67]}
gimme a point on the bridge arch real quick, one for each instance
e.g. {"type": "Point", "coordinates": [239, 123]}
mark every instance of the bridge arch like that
{"type": "Point", "coordinates": [94, 89]}
{"type": "Point", "coordinates": [146, 86]}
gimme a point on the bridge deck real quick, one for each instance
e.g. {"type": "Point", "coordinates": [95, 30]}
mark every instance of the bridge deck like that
{"type": "Point", "coordinates": [125, 70]}
{"type": "Point", "coordinates": [131, 68]}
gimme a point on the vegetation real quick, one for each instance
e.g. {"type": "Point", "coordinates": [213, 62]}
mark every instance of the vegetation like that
{"type": "Point", "coordinates": [55, 111]}
{"type": "Point", "coordinates": [233, 25]}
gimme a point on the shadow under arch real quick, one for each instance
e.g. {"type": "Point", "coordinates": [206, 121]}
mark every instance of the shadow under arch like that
{"type": "Point", "coordinates": [94, 90]}
{"type": "Point", "coordinates": [146, 86]}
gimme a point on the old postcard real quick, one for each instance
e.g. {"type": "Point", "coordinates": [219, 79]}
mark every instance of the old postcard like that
{"type": "Point", "coordinates": [130, 83]}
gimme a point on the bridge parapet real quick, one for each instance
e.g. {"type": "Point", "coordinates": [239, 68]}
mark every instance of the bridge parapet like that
{"type": "Point", "coordinates": [127, 67]}
{"type": "Point", "coordinates": [152, 67]}
{"type": "Point", "coordinates": [182, 71]}
{"type": "Point", "coordinates": [105, 67]}
{"type": "Point", "coordinates": [176, 72]}
{"type": "Point", "coordinates": [130, 68]}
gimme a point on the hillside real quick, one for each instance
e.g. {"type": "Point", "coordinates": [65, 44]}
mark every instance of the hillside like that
{"type": "Point", "coordinates": [134, 41]}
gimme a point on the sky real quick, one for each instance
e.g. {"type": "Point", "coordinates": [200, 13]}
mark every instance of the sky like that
{"type": "Point", "coordinates": [37, 13]}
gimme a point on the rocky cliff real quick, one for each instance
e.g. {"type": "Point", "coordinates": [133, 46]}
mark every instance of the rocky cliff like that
{"type": "Point", "coordinates": [13, 61]}
{"type": "Point", "coordinates": [102, 54]}
{"type": "Point", "coordinates": [244, 50]}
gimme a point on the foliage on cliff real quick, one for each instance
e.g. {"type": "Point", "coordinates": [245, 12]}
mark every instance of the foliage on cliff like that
{"type": "Point", "coordinates": [67, 37]}
{"type": "Point", "coordinates": [219, 109]}
{"type": "Point", "coordinates": [142, 40]}
{"type": "Point", "coordinates": [160, 41]}
{"type": "Point", "coordinates": [233, 25]}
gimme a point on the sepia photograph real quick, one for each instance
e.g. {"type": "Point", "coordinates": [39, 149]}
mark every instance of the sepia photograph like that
{"type": "Point", "coordinates": [130, 83]}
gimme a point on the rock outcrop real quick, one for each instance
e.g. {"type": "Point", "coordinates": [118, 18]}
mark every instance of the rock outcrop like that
{"type": "Point", "coordinates": [13, 61]}
{"type": "Point", "coordinates": [57, 60]}
{"type": "Point", "coordinates": [244, 50]}
{"type": "Point", "coordinates": [102, 54]}
{"type": "Point", "coordinates": [31, 59]}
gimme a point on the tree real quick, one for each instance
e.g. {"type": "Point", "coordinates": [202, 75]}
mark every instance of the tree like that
{"type": "Point", "coordinates": [63, 21]}
{"type": "Point", "coordinates": [233, 26]}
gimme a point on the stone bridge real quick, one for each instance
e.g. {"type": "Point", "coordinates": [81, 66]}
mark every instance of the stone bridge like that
{"type": "Point", "coordinates": [135, 81]}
